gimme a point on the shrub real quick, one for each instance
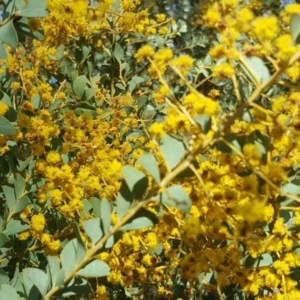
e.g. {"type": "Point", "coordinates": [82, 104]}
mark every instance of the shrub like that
{"type": "Point", "coordinates": [149, 157]}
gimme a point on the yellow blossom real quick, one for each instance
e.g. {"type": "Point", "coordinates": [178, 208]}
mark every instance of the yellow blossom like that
{"type": "Point", "coordinates": [38, 222]}
{"type": "Point", "coordinates": [3, 108]}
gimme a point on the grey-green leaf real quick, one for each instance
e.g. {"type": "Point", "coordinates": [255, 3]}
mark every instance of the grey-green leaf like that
{"type": "Point", "coordinates": [134, 82]}
{"type": "Point", "coordinates": [79, 85]}
{"type": "Point", "coordinates": [258, 68]}
{"type": "Point", "coordinates": [68, 256]}
{"type": "Point", "coordinates": [53, 267]}
{"type": "Point", "coordinates": [19, 185]}
{"type": "Point", "coordinates": [142, 219]}
{"type": "Point", "coordinates": [6, 127]}
{"type": "Point", "coordinates": [15, 226]}
{"type": "Point", "coordinates": [3, 277]}
{"type": "Point", "coordinates": [118, 52]}
{"type": "Point", "coordinates": [175, 196]}
{"type": "Point", "coordinates": [8, 292]}
{"type": "Point", "coordinates": [105, 215]}
{"type": "Point", "coordinates": [204, 122]}
{"type": "Point", "coordinates": [124, 200]}
{"type": "Point", "coordinates": [10, 197]}
{"type": "Point", "coordinates": [34, 9]}
{"type": "Point", "coordinates": [8, 35]}
{"type": "Point", "coordinates": [21, 204]}
{"type": "Point", "coordinates": [39, 278]}
{"type": "Point", "coordinates": [136, 181]}
{"type": "Point", "coordinates": [92, 228]}
{"type": "Point", "coordinates": [149, 163]}
{"type": "Point", "coordinates": [95, 268]}
{"type": "Point", "coordinates": [173, 151]}
{"type": "Point", "coordinates": [3, 53]}
{"type": "Point", "coordinates": [295, 28]}
{"type": "Point", "coordinates": [3, 240]}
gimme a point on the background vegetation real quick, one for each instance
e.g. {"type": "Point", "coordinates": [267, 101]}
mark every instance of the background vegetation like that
{"type": "Point", "coordinates": [149, 150]}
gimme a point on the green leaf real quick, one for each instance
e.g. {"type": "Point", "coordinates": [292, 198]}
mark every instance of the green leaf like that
{"type": "Point", "coordinates": [19, 185]}
{"type": "Point", "coordinates": [265, 260]}
{"type": "Point", "coordinates": [92, 228]}
{"type": "Point", "coordinates": [3, 53]}
{"type": "Point", "coordinates": [85, 52]}
{"type": "Point", "coordinates": [3, 277]}
{"type": "Point", "coordinates": [21, 204]}
{"type": "Point", "coordinates": [149, 163]}
{"type": "Point", "coordinates": [60, 276]}
{"type": "Point", "coordinates": [295, 28]}
{"type": "Point", "coordinates": [291, 188]}
{"type": "Point", "coordinates": [89, 93]}
{"type": "Point", "coordinates": [105, 215]}
{"type": "Point", "coordinates": [76, 286]}
{"type": "Point", "coordinates": [148, 113]}
{"type": "Point", "coordinates": [6, 99]}
{"type": "Point", "coordinates": [60, 52]}
{"type": "Point", "coordinates": [15, 226]}
{"type": "Point", "coordinates": [136, 181]}
{"type": "Point", "coordinates": [34, 9]}
{"type": "Point", "coordinates": [53, 268]}
{"type": "Point", "coordinates": [8, 292]}
{"type": "Point", "coordinates": [258, 67]}
{"type": "Point", "coordinates": [6, 127]}
{"type": "Point", "coordinates": [134, 82]}
{"type": "Point", "coordinates": [79, 85]}
{"type": "Point", "coordinates": [96, 203]}
{"type": "Point", "coordinates": [118, 52]}
{"type": "Point", "coordinates": [80, 247]}
{"type": "Point", "coordinates": [142, 219]}
{"type": "Point", "coordinates": [173, 151]}
{"type": "Point", "coordinates": [3, 240]}
{"type": "Point", "coordinates": [39, 278]}
{"type": "Point", "coordinates": [95, 268]}
{"type": "Point", "coordinates": [8, 35]}
{"type": "Point", "coordinates": [204, 122]}
{"type": "Point", "coordinates": [124, 200]}
{"type": "Point", "coordinates": [175, 196]}
{"type": "Point", "coordinates": [10, 198]}
{"type": "Point", "coordinates": [68, 256]}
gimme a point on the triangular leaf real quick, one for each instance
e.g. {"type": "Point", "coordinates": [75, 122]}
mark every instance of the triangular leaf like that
{"type": "Point", "coordinates": [204, 122]}
{"type": "Point", "coordinates": [3, 53]}
{"type": "Point", "coordinates": [173, 151]}
{"type": "Point", "coordinates": [175, 196]}
{"type": "Point", "coordinates": [105, 215]}
{"type": "Point", "coordinates": [295, 28]}
{"type": "Point", "coordinates": [79, 85]}
{"type": "Point", "coordinates": [8, 292]}
{"type": "Point", "coordinates": [124, 200]}
{"type": "Point", "coordinates": [96, 268]}
{"type": "Point", "coordinates": [142, 219]}
{"type": "Point", "coordinates": [149, 163]}
{"type": "Point", "coordinates": [5, 126]}
{"type": "Point", "coordinates": [39, 278]}
{"type": "Point", "coordinates": [118, 52]}
{"type": "Point", "coordinates": [8, 35]}
{"type": "Point", "coordinates": [34, 9]}
{"type": "Point", "coordinates": [136, 181]}
{"type": "Point", "coordinates": [68, 256]}
{"type": "Point", "coordinates": [92, 228]}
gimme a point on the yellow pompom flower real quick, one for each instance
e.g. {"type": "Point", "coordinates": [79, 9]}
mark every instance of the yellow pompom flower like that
{"type": "Point", "coordinates": [144, 53]}
{"type": "Point", "coordinates": [223, 71]}
{"type": "Point", "coordinates": [3, 108]}
{"type": "Point", "coordinates": [38, 222]}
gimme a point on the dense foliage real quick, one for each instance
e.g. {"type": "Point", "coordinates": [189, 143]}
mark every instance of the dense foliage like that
{"type": "Point", "coordinates": [149, 150]}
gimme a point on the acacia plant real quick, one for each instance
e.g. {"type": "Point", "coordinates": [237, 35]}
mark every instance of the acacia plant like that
{"type": "Point", "coordinates": [149, 157]}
